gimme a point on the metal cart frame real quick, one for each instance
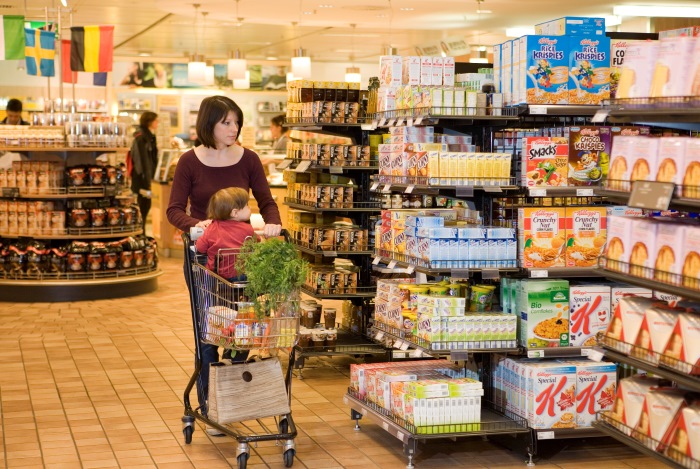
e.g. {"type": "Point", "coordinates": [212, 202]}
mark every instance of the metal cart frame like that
{"type": "Point", "coordinates": [286, 430]}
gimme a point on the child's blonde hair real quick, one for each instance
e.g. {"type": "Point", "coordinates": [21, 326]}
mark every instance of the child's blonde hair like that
{"type": "Point", "coordinates": [224, 201]}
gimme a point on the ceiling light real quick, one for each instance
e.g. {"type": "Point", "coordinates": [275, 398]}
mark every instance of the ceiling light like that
{"type": "Point", "coordinates": [301, 64]}
{"type": "Point", "coordinates": [64, 3]}
{"type": "Point", "coordinates": [478, 60]}
{"type": "Point", "coordinates": [325, 6]}
{"type": "Point", "coordinates": [406, 9]}
{"type": "Point", "coordinates": [236, 66]}
{"type": "Point", "coordinates": [352, 75]}
{"type": "Point", "coordinates": [480, 11]}
{"type": "Point", "coordinates": [519, 32]}
{"type": "Point", "coordinates": [243, 84]}
{"type": "Point", "coordinates": [196, 69]}
{"type": "Point", "coordinates": [308, 12]}
{"type": "Point", "coordinates": [612, 20]}
{"type": "Point", "coordinates": [662, 11]}
{"type": "Point", "coordinates": [271, 57]}
{"type": "Point", "coordinates": [209, 74]}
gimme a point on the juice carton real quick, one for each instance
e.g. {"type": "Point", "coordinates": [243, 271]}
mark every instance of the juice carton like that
{"type": "Point", "coordinates": [542, 237]}
{"type": "Point", "coordinates": [586, 146]}
{"type": "Point", "coordinates": [589, 69]}
{"type": "Point", "coordinates": [542, 74]}
{"type": "Point", "coordinates": [590, 313]}
{"type": "Point", "coordinates": [545, 161]}
{"type": "Point", "coordinates": [586, 234]}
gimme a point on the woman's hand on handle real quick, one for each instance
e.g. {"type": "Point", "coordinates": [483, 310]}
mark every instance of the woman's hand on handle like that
{"type": "Point", "coordinates": [271, 231]}
{"type": "Point", "coordinates": [203, 224]}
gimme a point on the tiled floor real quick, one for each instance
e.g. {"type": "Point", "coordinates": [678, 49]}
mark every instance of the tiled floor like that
{"type": "Point", "coordinates": [99, 384]}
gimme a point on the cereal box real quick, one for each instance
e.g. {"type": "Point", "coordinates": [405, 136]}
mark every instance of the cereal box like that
{"type": "Point", "coordinates": [572, 26]}
{"type": "Point", "coordinates": [643, 158]}
{"type": "Point", "coordinates": [626, 321]}
{"type": "Point", "coordinates": [682, 441]}
{"type": "Point", "coordinates": [589, 70]}
{"type": "Point", "coordinates": [618, 49]}
{"type": "Point", "coordinates": [658, 412]}
{"type": "Point", "coordinates": [689, 170]}
{"type": "Point", "coordinates": [620, 291]}
{"type": "Point", "coordinates": [542, 237]}
{"type": "Point", "coordinates": [620, 131]}
{"type": "Point", "coordinates": [507, 72]}
{"type": "Point", "coordinates": [545, 161]}
{"type": "Point", "coordinates": [497, 75]}
{"type": "Point", "coordinates": [621, 154]}
{"type": "Point", "coordinates": [544, 313]}
{"type": "Point", "coordinates": [595, 390]}
{"type": "Point", "coordinates": [672, 67]}
{"type": "Point", "coordinates": [390, 70]}
{"type": "Point", "coordinates": [638, 69]}
{"type": "Point", "coordinates": [590, 313]}
{"type": "Point", "coordinates": [542, 76]}
{"type": "Point", "coordinates": [654, 333]}
{"type": "Point", "coordinates": [629, 400]}
{"type": "Point", "coordinates": [553, 395]}
{"type": "Point", "coordinates": [670, 238]}
{"type": "Point", "coordinates": [690, 267]}
{"type": "Point", "coordinates": [586, 144]}
{"type": "Point", "coordinates": [683, 348]}
{"type": "Point", "coordinates": [586, 234]}
{"type": "Point", "coordinates": [643, 246]}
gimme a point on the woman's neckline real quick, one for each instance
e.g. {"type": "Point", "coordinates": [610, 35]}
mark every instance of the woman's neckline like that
{"type": "Point", "coordinates": [223, 166]}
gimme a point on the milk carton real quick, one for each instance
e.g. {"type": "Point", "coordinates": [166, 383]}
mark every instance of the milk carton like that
{"type": "Point", "coordinates": [595, 390]}
{"type": "Point", "coordinates": [590, 313]}
{"type": "Point", "coordinates": [542, 75]}
{"type": "Point", "coordinates": [589, 70]}
{"type": "Point", "coordinates": [544, 313]}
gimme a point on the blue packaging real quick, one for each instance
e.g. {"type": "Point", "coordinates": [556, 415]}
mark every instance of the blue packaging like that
{"type": "Point", "coordinates": [589, 70]}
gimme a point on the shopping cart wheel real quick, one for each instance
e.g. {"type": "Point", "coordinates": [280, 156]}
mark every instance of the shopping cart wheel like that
{"type": "Point", "coordinates": [283, 425]}
{"type": "Point", "coordinates": [187, 431]}
{"type": "Point", "coordinates": [243, 460]}
{"type": "Point", "coordinates": [289, 457]}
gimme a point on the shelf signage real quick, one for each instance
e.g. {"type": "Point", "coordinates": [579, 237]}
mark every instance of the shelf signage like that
{"type": "Point", "coordinates": [651, 195]}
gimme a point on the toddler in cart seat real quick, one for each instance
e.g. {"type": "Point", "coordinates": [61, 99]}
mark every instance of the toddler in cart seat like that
{"type": "Point", "coordinates": [230, 214]}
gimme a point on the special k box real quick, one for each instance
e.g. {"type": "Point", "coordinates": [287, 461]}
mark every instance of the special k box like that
{"type": "Point", "coordinates": [586, 146]}
{"type": "Point", "coordinates": [638, 69]}
{"type": "Point", "coordinates": [543, 236]}
{"type": "Point", "coordinates": [553, 396]}
{"type": "Point", "coordinates": [618, 292]}
{"type": "Point", "coordinates": [683, 348]}
{"type": "Point", "coordinates": [542, 76]}
{"type": "Point", "coordinates": [619, 243]}
{"type": "Point", "coordinates": [672, 67]}
{"type": "Point", "coordinates": [586, 231]}
{"type": "Point", "coordinates": [595, 390]}
{"type": "Point", "coordinates": [630, 399]}
{"type": "Point", "coordinates": [589, 69]}
{"type": "Point", "coordinates": [682, 441]}
{"type": "Point", "coordinates": [589, 307]}
{"type": "Point", "coordinates": [545, 161]}
{"type": "Point", "coordinates": [690, 267]}
{"type": "Point", "coordinates": [654, 333]}
{"type": "Point", "coordinates": [626, 321]}
{"type": "Point", "coordinates": [658, 412]}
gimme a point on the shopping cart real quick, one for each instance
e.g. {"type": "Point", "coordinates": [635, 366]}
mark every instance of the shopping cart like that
{"type": "Point", "coordinates": [250, 401]}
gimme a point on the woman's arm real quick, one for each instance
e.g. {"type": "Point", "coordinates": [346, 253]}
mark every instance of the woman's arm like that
{"type": "Point", "coordinates": [179, 196]}
{"type": "Point", "coordinates": [261, 191]}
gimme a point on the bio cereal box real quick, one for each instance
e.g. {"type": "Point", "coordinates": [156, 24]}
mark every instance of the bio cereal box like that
{"type": "Point", "coordinates": [589, 307]}
{"type": "Point", "coordinates": [543, 236]}
{"type": "Point", "coordinates": [595, 390]}
{"type": "Point", "coordinates": [586, 144]}
{"type": "Point", "coordinates": [586, 231]}
{"type": "Point", "coordinates": [545, 161]}
{"type": "Point", "coordinates": [542, 76]}
{"type": "Point", "coordinates": [589, 69]}
{"type": "Point", "coordinates": [543, 306]}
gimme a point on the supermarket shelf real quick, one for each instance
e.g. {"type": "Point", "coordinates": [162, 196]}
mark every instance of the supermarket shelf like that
{"type": "Point", "coordinates": [347, 343]}
{"type": "Point", "coordinates": [305, 248]}
{"type": "Point", "coordinates": [686, 380]}
{"type": "Point", "coordinates": [607, 429]}
{"type": "Point", "coordinates": [569, 191]}
{"type": "Point", "coordinates": [82, 233]}
{"type": "Point", "coordinates": [62, 148]}
{"type": "Point", "coordinates": [677, 203]}
{"type": "Point", "coordinates": [325, 166]}
{"type": "Point", "coordinates": [558, 110]}
{"type": "Point", "coordinates": [82, 286]}
{"type": "Point", "coordinates": [562, 272]}
{"type": "Point", "coordinates": [679, 109]}
{"type": "Point", "coordinates": [410, 184]}
{"type": "Point", "coordinates": [433, 115]}
{"type": "Point", "coordinates": [306, 123]}
{"type": "Point", "coordinates": [419, 265]}
{"type": "Point", "coordinates": [53, 193]}
{"type": "Point", "coordinates": [323, 294]}
{"type": "Point", "coordinates": [313, 207]}
{"type": "Point", "coordinates": [682, 291]}
{"type": "Point", "coordinates": [404, 341]}
{"type": "Point", "coordinates": [493, 422]}
{"type": "Point", "coordinates": [556, 352]}
{"type": "Point", "coordinates": [566, 433]}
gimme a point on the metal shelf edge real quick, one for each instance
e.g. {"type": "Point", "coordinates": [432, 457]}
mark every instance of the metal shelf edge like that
{"type": "Point", "coordinates": [647, 283]}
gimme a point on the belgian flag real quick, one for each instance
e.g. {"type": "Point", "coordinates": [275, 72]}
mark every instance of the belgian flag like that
{"type": "Point", "coordinates": [91, 48]}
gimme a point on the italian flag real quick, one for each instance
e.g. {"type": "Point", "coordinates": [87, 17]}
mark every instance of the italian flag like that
{"type": "Point", "coordinates": [12, 38]}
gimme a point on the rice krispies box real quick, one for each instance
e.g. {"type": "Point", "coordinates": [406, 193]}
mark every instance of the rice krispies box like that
{"type": "Point", "coordinates": [589, 69]}
{"type": "Point", "coordinates": [543, 76]}
{"type": "Point", "coordinates": [595, 390]}
{"type": "Point", "coordinates": [545, 161]}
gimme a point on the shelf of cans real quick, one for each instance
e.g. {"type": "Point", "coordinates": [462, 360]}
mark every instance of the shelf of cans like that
{"type": "Point", "coordinates": [324, 155]}
{"type": "Point", "coordinates": [331, 240]}
{"type": "Point", "coordinates": [655, 418]}
{"type": "Point", "coordinates": [39, 179]}
{"type": "Point", "coordinates": [322, 102]}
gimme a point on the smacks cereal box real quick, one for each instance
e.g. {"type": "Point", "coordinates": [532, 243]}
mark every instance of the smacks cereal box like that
{"type": "Point", "coordinates": [545, 161]}
{"type": "Point", "coordinates": [587, 147]}
{"type": "Point", "coordinates": [542, 237]}
{"type": "Point", "coordinates": [543, 70]}
{"type": "Point", "coordinates": [586, 233]}
{"type": "Point", "coordinates": [589, 70]}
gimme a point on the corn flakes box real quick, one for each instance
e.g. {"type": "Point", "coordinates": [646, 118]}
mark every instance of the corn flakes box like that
{"type": "Point", "coordinates": [588, 148]}
{"type": "Point", "coordinates": [586, 235]}
{"type": "Point", "coordinates": [543, 76]}
{"type": "Point", "coordinates": [542, 237]}
{"type": "Point", "coordinates": [589, 70]}
{"type": "Point", "coordinates": [545, 161]}
{"type": "Point", "coordinates": [543, 306]}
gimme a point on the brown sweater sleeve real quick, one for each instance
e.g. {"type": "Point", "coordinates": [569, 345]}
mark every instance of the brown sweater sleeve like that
{"type": "Point", "coordinates": [179, 194]}
{"type": "Point", "coordinates": [261, 191]}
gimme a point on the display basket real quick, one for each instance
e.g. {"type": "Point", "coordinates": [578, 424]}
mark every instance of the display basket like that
{"type": "Point", "coordinates": [228, 321]}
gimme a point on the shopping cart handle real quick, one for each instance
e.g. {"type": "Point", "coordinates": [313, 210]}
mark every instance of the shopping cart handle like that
{"type": "Point", "coordinates": [284, 233]}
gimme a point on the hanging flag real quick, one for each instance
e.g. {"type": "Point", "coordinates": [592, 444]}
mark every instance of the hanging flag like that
{"type": "Point", "coordinates": [99, 79]}
{"type": "Point", "coordinates": [68, 75]}
{"type": "Point", "coordinates": [40, 51]}
{"type": "Point", "coordinates": [91, 48]}
{"type": "Point", "coordinates": [11, 37]}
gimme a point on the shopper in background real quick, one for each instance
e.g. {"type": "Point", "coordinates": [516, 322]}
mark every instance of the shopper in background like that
{"type": "Point", "coordinates": [216, 164]}
{"type": "Point", "coordinates": [279, 134]}
{"type": "Point", "coordinates": [230, 227]}
{"type": "Point", "coordinates": [14, 113]}
{"type": "Point", "coordinates": [144, 157]}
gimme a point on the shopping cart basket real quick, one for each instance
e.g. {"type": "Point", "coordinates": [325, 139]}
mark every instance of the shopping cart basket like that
{"type": "Point", "coordinates": [255, 396]}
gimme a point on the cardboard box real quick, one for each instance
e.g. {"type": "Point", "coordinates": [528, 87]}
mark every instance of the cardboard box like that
{"type": "Point", "coordinates": [682, 441]}
{"type": "Point", "coordinates": [683, 348]}
{"type": "Point", "coordinates": [630, 400]}
{"type": "Point", "coordinates": [411, 70]}
{"type": "Point", "coordinates": [658, 413]}
{"type": "Point", "coordinates": [689, 170]}
{"type": "Point", "coordinates": [507, 72]}
{"type": "Point", "coordinates": [586, 146]}
{"type": "Point", "coordinates": [589, 69]}
{"type": "Point", "coordinates": [589, 306]}
{"type": "Point", "coordinates": [620, 163]}
{"type": "Point", "coordinates": [586, 231]}
{"type": "Point", "coordinates": [572, 26]}
{"type": "Point", "coordinates": [542, 237]}
{"type": "Point", "coordinates": [654, 333]}
{"type": "Point", "coordinates": [545, 161]}
{"type": "Point", "coordinates": [643, 247]}
{"type": "Point", "coordinates": [544, 313]}
{"type": "Point", "coordinates": [595, 390]}
{"type": "Point", "coordinates": [618, 50]}
{"type": "Point", "coordinates": [553, 396]}
{"type": "Point", "coordinates": [390, 70]}
{"type": "Point", "coordinates": [540, 73]}
{"type": "Point", "coordinates": [638, 70]}
{"type": "Point", "coordinates": [690, 267]}
{"type": "Point", "coordinates": [672, 72]}
{"type": "Point", "coordinates": [670, 238]}
{"type": "Point", "coordinates": [620, 291]}
{"type": "Point", "coordinates": [626, 321]}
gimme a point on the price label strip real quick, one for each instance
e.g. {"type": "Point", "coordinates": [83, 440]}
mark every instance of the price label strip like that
{"type": "Point", "coordinates": [409, 189]}
{"type": "Point", "coordinates": [284, 164]}
{"type": "Point", "coordinates": [584, 192]}
{"type": "Point", "coordinates": [303, 166]}
{"type": "Point", "coordinates": [376, 260]}
{"type": "Point", "coordinates": [651, 195]}
{"type": "Point", "coordinates": [418, 121]}
{"type": "Point", "coordinates": [386, 188]}
{"type": "Point", "coordinates": [538, 192]}
{"type": "Point", "coordinates": [538, 110]}
{"type": "Point", "coordinates": [374, 186]}
{"type": "Point", "coordinates": [392, 264]}
{"type": "Point", "coordinates": [600, 116]}
{"type": "Point", "coordinates": [336, 170]}
{"type": "Point", "coordinates": [464, 191]}
{"type": "Point", "coordinates": [539, 273]}
{"type": "Point", "coordinates": [545, 435]}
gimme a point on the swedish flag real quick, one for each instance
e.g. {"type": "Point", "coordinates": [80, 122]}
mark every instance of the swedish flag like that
{"type": "Point", "coordinates": [40, 50]}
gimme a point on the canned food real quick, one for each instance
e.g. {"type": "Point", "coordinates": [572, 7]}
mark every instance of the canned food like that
{"type": "Point", "coordinates": [427, 201]}
{"type": "Point", "coordinates": [396, 201]}
{"type": "Point", "coordinates": [386, 200]}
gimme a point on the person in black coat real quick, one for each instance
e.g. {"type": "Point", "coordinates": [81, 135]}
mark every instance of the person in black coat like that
{"type": "Point", "coordinates": [144, 156]}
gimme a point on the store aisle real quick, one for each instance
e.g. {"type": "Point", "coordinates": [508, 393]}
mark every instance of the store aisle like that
{"type": "Point", "coordinates": [99, 384]}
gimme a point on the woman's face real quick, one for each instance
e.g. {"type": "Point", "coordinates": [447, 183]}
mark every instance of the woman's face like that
{"type": "Point", "coordinates": [226, 131]}
{"type": "Point", "coordinates": [276, 131]}
{"type": "Point", "coordinates": [154, 125]}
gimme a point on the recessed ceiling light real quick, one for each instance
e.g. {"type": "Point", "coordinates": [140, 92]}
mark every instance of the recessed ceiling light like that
{"type": "Point", "coordinates": [484, 11]}
{"type": "Point", "coordinates": [308, 12]}
{"type": "Point", "coordinates": [325, 6]}
{"type": "Point", "coordinates": [406, 9]}
{"type": "Point", "coordinates": [382, 16]}
{"type": "Point", "coordinates": [271, 58]}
